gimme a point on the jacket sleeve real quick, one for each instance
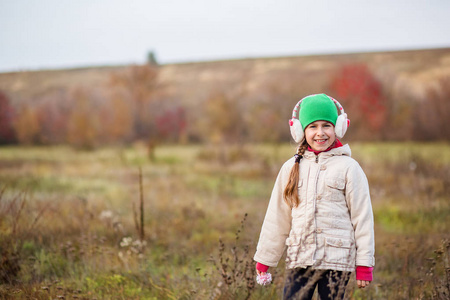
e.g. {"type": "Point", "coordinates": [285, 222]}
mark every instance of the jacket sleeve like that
{"type": "Point", "coordinates": [276, 225]}
{"type": "Point", "coordinates": [360, 208]}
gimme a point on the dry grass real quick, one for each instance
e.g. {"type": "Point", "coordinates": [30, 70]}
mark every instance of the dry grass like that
{"type": "Point", "coordinates": [67, 227]}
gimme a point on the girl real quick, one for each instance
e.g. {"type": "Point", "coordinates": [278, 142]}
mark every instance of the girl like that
{"type": "Point", "coordinates": [320, 208]}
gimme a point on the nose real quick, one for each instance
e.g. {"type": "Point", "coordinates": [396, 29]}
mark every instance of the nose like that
{"type": "Point", "coordinates": [320, 130]}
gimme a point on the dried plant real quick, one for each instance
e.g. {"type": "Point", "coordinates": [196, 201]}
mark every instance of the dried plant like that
{"type": "Point", "coordinates": [236, 268]}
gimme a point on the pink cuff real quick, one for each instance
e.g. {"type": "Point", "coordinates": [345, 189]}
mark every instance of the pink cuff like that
{"type": "Point", "coordinates": [364, 273]}
{"type": "Point", "coordinates": [262, 268]}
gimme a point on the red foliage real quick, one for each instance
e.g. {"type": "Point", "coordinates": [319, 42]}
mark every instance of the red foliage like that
{"type": "Point", "coordinates": [171, 123]}
{"type": "Point", "coordinates": [355, 84]}
{"type": "Point", "coordinates": [7, 133]}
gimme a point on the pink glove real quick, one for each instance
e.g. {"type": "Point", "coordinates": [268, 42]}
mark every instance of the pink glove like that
{"type": "Point", "coordinates": [262, 268]}
{"type": "Point", "coordinates": [364, 273]}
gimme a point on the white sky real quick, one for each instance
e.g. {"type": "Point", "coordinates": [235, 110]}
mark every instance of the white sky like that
{"type": "Point", "coordinates": [74, 33]}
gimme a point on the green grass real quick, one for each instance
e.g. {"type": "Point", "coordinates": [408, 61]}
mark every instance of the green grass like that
{"type": "Point", "coordinates": [419, 220]}
{"type": "Point", "coordinates": [64, 214]}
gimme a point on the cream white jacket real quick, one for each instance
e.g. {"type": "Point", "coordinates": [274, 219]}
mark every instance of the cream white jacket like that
{"type": "Point", "coordinates": [332, 228]}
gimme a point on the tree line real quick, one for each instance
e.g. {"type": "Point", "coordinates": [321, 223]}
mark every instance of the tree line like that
{"type": "Point", "coordinates": [134, 105]}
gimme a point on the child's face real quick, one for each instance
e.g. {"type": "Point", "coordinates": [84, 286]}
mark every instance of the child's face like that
{"type": "Point", "coordinates": [320, 135]}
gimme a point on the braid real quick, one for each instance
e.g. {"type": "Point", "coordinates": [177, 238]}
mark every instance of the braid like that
{"type": "Point", "coordinates": [302, 148]}
{"type": "Point", "coordinates": [290, 193]}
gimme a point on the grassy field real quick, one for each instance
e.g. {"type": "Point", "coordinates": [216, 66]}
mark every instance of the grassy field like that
{"type": "Point", "coordinates": [70, 221]}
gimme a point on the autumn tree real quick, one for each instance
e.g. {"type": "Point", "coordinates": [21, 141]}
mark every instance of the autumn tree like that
{"type": "Point", "coordinates": [7, 132]}
{"type": "Point", "coordinates": [431, 115]}
{"type": "Point", "coordinates": [53, 110]}
{"type": "Point", "coordinates": [27, 125]}
{"type": "Point", "coordinates": [137, 86]}
{"type": "Point", "coordinates": [151, 58]}
{"type": "Point", "coordinates": [265, 116]}
{"type": "Point", "coordinates": [362, 96]}
{"type": "Point", "coordinates": [223, 122]}
{"type": "Point", "coordinates": [171, 124]}
{"type": "Point", "coordinates": [117, 119]}
{"type": "Point", "coordinates": [83, 122]}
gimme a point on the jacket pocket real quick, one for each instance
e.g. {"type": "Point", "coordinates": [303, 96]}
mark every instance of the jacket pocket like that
{"type": "Point", "coordinates": [336, 187]}
{"type": "Point", "coordinates": [338, 251]}
{"type": "Point", "coordinates": [293, 244]}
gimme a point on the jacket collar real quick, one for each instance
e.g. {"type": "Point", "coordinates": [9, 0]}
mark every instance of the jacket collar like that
{"type": "Point", "coordinates": [340, 151]}
{"type": "Point", "coordinates": [337, 143]}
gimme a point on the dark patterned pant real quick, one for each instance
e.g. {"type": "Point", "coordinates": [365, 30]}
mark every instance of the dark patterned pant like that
{"type": "Point", "coordinates": [300, 284]}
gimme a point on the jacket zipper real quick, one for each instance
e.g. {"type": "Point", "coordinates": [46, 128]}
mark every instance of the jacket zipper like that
{"type": "Point", "coordinates": [314, 210]}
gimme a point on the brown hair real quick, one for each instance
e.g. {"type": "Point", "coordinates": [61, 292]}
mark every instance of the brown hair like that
{"type": "Point", "coordinates": [290, 193]}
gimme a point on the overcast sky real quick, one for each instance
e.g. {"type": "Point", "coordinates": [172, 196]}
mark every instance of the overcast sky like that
{"type": "Point", "coordinates": [74, 33]}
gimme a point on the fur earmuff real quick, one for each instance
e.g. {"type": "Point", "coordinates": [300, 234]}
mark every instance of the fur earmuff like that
{"type": "Point", "coordinates": [296, 130]}
{"type": "Point", "coordinates": [341, 125]}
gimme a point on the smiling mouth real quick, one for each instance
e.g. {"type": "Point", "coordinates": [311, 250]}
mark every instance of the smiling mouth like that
{"type": "Point", "coordinates": [320, 141]}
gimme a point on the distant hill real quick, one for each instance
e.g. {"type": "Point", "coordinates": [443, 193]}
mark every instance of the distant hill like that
{"type": "Point", "coordinates": [413, 70]}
